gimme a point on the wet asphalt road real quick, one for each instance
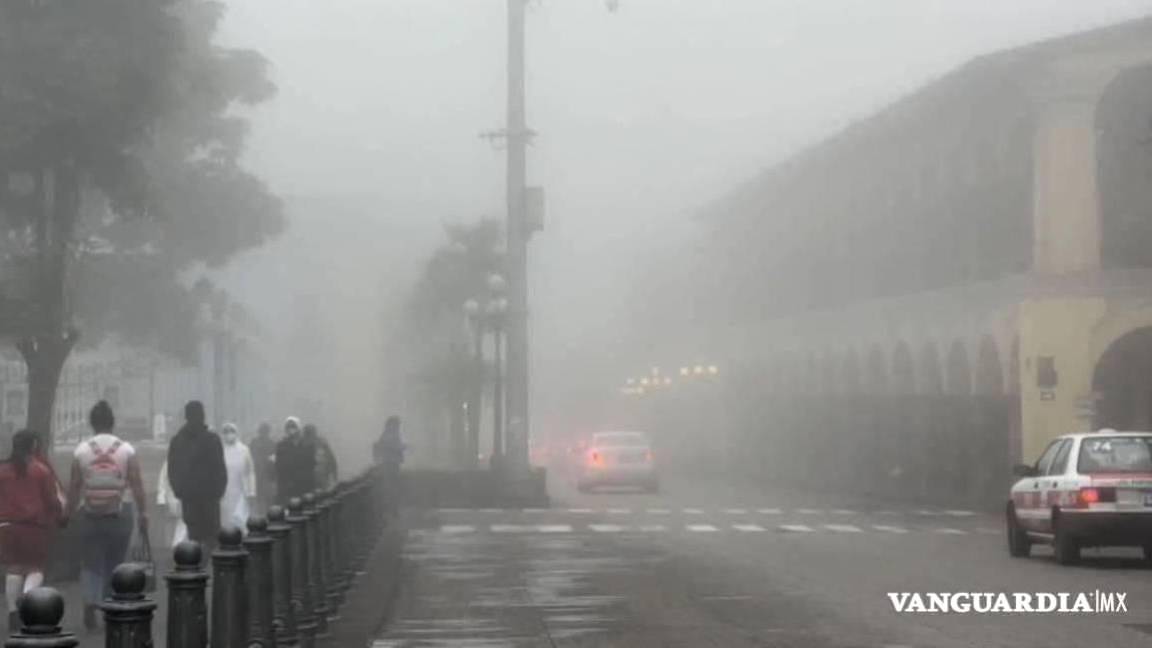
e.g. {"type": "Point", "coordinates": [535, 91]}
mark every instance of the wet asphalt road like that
{"type": "Point", "coordinates": [706, 565]}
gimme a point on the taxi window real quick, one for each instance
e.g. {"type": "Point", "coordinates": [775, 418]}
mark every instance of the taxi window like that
{"type": "Point", "coordinates": [1115, 455]}
{"type": "Point", "coordinates": [1060, 462]}
{"type": "Point", "coordinates": [1045, 459]}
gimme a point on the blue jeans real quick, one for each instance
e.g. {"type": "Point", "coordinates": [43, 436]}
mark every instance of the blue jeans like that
{"type": "Point", "coordinates": [105, 541]}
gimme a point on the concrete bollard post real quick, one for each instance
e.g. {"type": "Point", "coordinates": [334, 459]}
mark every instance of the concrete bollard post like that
{"type": "Point", "coordinates": [301, 591]}
{"type": "Point", "coordinates": [261, 599]}
{"type": "Point", "coordinates": [128, 613]}
{"type": "Point", "coordinates": [187, 609]}
{"type": "Point", "coordinates": [284, 610]}
{"type": "Point", "coordinates": [41, 611]}
{"type": "Point", "coordinates": [315, 565]}
{"type": "Point", "coordinates": [229, 591]}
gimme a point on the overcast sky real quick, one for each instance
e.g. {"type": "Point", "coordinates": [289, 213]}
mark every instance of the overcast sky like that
{"type": "Point", "coordinates": [643, 114]}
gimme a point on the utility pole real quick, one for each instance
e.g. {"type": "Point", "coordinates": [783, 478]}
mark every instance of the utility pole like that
{"type": "Point", "coordinates": [517, 137]}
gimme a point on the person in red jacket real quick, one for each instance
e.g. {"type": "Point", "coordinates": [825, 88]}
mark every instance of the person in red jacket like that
{"type": "Point", "coordinates": [30, 511]}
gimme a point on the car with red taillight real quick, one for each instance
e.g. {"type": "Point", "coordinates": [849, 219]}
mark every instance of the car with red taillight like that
{"type": "Point", "coordinates": [1085, 490]}
{"type": "Point", "coordinates": [618, 459]}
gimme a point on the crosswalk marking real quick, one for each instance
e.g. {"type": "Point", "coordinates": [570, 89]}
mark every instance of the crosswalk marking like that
{"type": "Point", "coordinates": [490, 510]}
{"type": "Point", "coordinates": [796, 528]}
{"type": "Point", "coordinates": [509, 528]}
{"type": "Point", "coordinates": [926, 512]}
{"type": "Point", "coordinates": [769, 511]}
{"type": "Point", "coordinates": [808, 511]}
{"type": "Point", "coordinates": [842, 528]}
{"type": "Point", "coordinates": [889, 529]}
{"type": "Point", "coordinates": [535, 510]}
{"type": "Point", "coordinates": [844, 512]}
{"type": "Point", "coordinates": [580, 510]}
{"type": "Point", "coordinates": [702, 528]}
{"type": "Point", "coordinates": [649, 528]}
{"type": "Point", "coordinates": [554, 528]}
{"type": "Point", "coordinates": [693, 511]}
{"type": "Point", "coordinates": [457, 528]}
{"type": "Point", "coordinates": [948, 531]}
{"type": "Point", "coordinates": [736, 511]}
{"type": "Point", "coordinates": [754, 528]}
{"type": "Point", "coordinates": [606, 528]}
{"type": "Point", "coordinates": [619, 511]}
{"type": "Point", "coordinates": [659, 511]}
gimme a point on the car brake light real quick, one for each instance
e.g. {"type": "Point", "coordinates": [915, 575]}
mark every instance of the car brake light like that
{"type": "Point", "coordinates": [1090, 495]}
{"type": "Point", "coordinates": [648, 456]}
{"type": "Point", "coordinates": [595, 458]}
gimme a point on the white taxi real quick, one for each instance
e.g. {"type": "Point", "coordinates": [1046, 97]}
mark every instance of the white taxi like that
{"type": "Point", "coordinates": [1086, 490]}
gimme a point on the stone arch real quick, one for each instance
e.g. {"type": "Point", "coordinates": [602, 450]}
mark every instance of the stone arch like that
{"type": "Point", "coordinates": [876, 372]}
{"type": "Point", "coordinates": [903, 372]}
{"type": "Point", "coordinates": [930, 380]}
{"type": "Point", "coordinates": [850, 372]}
{"type": "Point", "coordinates": [958, 376]}
{"type": "Point", "coordinates": [1122, 169]}
{"type": "Point", "coordinates": [989, 378]}
{"type": "Point", "coordinates": [1122, 380]}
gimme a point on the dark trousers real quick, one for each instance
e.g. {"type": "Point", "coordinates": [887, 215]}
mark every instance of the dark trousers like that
{"type": "Point", "coordinates": [203, 520]}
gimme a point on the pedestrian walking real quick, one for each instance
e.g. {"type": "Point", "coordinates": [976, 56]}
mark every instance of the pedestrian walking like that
{"type": "Point", "coordinates": [263, 449]}
{"type": "Point", "coordinates": [104, 466]}
{"type": "Point", "coordinates": [295, 463]}
{"type": "Point", "coordinates": [326, 469]}
{"type": "Point", "coordinates": [235, 507]}
{"type": "Point", "coordinates": [389, 448]}
{"type": "Point", "coordinates": [198, 475]}
{"type": "Point", "coordinates": [30, 511]}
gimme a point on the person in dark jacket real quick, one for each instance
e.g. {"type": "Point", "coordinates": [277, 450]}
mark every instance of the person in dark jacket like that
{"type": "Point", "coordinates": [197, 474]}
{"type": "Point", "coordinates": [295, 463]}
{"type": "Point", "coordinates": [327, 471]}
{"type": "Point", "coordinates": [263, 449]}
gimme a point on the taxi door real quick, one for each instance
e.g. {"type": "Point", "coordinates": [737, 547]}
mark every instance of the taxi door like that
{"type": "Point", "coordinates": [1055, 485]}
{"type": "Point", "coordinates": [1026, 493]}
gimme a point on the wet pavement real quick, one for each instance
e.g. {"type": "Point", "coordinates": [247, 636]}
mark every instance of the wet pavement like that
{"type": "Point", "coordinates": [701, 565]}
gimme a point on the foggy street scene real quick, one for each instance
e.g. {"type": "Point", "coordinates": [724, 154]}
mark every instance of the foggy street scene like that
{"type": "Point", "coordinates": [542, 323]}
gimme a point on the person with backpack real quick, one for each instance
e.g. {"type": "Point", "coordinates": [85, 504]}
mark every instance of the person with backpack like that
{"type": "Point", "coordinates": [104, 467]}
{"type": "Point", "coordinates": [30, 511]}
{"type": "Point", "coordinates": [198, 475]}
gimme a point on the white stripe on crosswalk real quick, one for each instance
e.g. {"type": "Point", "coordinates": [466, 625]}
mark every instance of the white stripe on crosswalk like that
{"type": "Point", "coordinates": [509, 528]}
{"type": "Point", "coordinates": [693, 511]}
{"type": "Point", "coordinates": [489, 510]}
{"type": "Point", "coordinates": [951, 531]}
{"type": "Point", "coordinates": [701, 528]}
{"type": "Point", "coordinates": [659, 511]}
{"type": "Point", "coordinates": [889, 529]}
{"type": "Point", "coordinates": [842, 528]}
{"type": "Point", "coordinates": [927, 512]}
{"type": "Point", "coordinates": [619, 511]}
{"type": "Point", "coordinates": [457, 528]}
{"type": "Point", "coordinates": [752, 528]}
{"type": "Point", "coordinates": [808, 511]}
{"type": "Point", "coordinates": [553, 528]}
{"type": "Point", "coordinates": [769, 511]}
{"type": "Point", "coordinates": [650, 528]}
{"type": "Point", "coordinates": [736, 511]}
{"type": "Point", "coordinates": [795, 528]}
{"type": "Point", "coordinates": [580, 510]}
{"type": "Point", "coordinates": [844, 512]}
{"type": "Point", "coordinates": [535, 510]}
{"type": "Point", "coordinates": [606, 528]}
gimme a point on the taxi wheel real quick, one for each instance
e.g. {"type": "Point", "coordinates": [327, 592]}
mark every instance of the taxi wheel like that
{"type": "Point", "coordinates": [1064, 546]}
{"type": "Point", "coordinates": [1019, 544]}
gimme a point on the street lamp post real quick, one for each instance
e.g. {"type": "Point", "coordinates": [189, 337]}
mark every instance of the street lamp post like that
{"type": "Point", "coordinates": [475, 319]}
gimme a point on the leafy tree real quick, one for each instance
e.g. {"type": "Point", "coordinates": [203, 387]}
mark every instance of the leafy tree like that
{"type": "Point", "coordinates": [119, 173]}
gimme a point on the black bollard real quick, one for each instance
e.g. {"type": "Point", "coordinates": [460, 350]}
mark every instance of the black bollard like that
{"type": "Point", "coordinates": [260, 599]}
{"type": "Point", "coordinates": [229, 591]}
{"type": "Point", "coordinates": [285, 614]}
{"type": "Point", "coordinates": [187, 607]}
{"type": "Point", "coordinates": [301, 591]}
{"type": "Point", "coordinates": [128, 613]}
{"type": "Point", "coordinates": [315, 565]}
{"type": "Point", "coordinates": [40, 613]}
{"type": "Point", "coordinates": [324, 535]}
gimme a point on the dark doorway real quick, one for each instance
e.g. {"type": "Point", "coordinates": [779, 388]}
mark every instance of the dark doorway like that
{"type": "Point", "coordinates": [1123, 383]}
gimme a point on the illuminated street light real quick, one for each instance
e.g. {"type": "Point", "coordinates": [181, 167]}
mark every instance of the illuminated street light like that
{"type": "Point", "coordinates": [713, 370]}
{"type": "Point", "coordinates": [684, 371]}
{"type": "Point", "coordinates": [644, 382]}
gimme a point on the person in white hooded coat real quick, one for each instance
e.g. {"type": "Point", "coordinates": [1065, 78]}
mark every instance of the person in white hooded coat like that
{"type": "Point", "coordinates": [235, 505]}
{"type": "Point", "coordinates": [166, 498]}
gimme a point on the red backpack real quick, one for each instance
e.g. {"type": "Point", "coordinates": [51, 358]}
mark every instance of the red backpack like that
{"type": "Point", "coordinates": [104, 480]}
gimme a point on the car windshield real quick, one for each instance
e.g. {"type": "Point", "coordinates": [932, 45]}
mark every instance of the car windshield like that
{"type": "Point", "coordinates": [620, 440]}
{"type": "Point", "coordinates": [1116, 455]}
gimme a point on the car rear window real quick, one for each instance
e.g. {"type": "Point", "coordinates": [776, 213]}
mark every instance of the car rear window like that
{"type": "Point", "coordinates": [620, 439]}
{"type": "Point", "coordinates": [1115, 455]}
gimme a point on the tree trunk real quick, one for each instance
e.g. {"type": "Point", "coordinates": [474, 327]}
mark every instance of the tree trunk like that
{"type": "Point", "coordinates": [45, 359]}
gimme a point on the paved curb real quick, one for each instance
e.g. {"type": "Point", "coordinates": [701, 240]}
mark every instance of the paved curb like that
{"type": "Point", "coordinates": [372, 599]}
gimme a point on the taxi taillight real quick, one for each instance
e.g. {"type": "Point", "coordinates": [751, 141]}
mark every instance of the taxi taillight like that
{"type": "Point", "coordinates": [1095, 495]}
